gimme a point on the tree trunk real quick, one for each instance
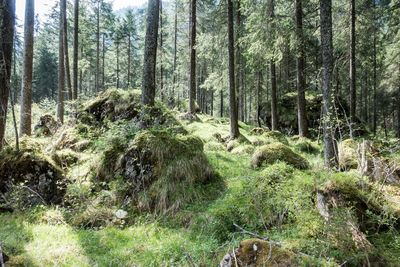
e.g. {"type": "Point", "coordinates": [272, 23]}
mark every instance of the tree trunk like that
{"type": "Point", "coordinates": [117, 64]}
{"type": "Point", "coordinates": [61, 67]}
{"type": "Point", "coordinates": [76, 48]}
{"type": "Point", "coordinates": [192, 83]}
{"type": "Point", "coordinates": [26, 101]}
{"type": "Point", "coordinates": [353, 90]}
{"type": "Point", "coordinates": [67, 69]}
{"type": "Point", "coordinates": [259, 79]}
{"type": "Point", "coordinates": [327, 55]}
{"type": "Point", "coordinates": [375, 118]}
{"type": "Point", "coordinates": [301, 87]}
{"type": "Point", "coordinates": [150, 53]}
{"type": "Point", "coordinates": [129, 60]}
{"type": "Point", "coordinates": [234, 126]}
{"type": "Point", "coordinates": [7, 22]}
{"type": "Point", "coordinates": [161, 55]}
{"type": "Point", "coordinates": [221, 110]}
{"type": "Point", "coordinates": [239, 87]}
{"type": "Point", "coordinates": [103, 72]}
{"type": "Point", "coordinates": [175, 47]}
{"type": "Point", "coordinates": [97, 74]}
{"type": "Point", "coordinates": [274, 98]}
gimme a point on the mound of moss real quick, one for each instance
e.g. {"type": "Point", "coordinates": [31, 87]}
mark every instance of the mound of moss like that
{"type": "Point", "coordinates": [269, 154]}
{"type": "Point", "coordinates": [162, 170]}
{"type": "Point", "coordinates": [275, 136]}
{"type": "Point", "coordinates": [28, 177]}
{"type": "Point", "coordinates": [347, 154]}
{"type": "Point", "coordinates": [257, 252]}
{"type": "Point", "coordinates": [305, 145]}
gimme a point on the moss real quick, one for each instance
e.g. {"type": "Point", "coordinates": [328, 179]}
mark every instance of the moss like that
{"type": "Point", "coordinates": [163, 170]}
{"type": "Point", "coordinates": [243, 149]}
{"type": "Point", "coordinates": [256, 252]}
{"type": "Point", "coordinates": [306, 146]}
{"type": "Point", "coordinates": [269, 154]}
{"type": "Point", "coordinates": [276, 136]}
{"type": "Point", "coordinates": [348, 158]}
{"type": "Point", "coordinates": [65, 158]}
{"type": "Point", "coordinates": [233, 143]}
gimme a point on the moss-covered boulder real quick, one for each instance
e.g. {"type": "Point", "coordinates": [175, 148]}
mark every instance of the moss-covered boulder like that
{"type": "Point", "coordinates": [269, 154]}
{"type": "Point", "coordinates": [305, 145]}
{"type": "Point", "coordinates": [275, 136]}
{"type": "Point", "coordinates": [347, 154]}
{"type": "Point", "coordinates": [243, 150]}
{"type": "Point", "coordinates": [28, 177]}
{"type": "Point", "coordinates": [46, 126]}
{"type": "Point", "coordinates": [162, 170]}
{"type": "Point", "coordinates": [256, 252]}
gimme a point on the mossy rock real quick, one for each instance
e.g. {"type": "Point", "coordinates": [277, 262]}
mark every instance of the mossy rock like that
{"type": "Point", "coordinates": [233, 143]}
{"type": "Point", "coordinates": [162, 170]}
{"type": "Point", "coordinates": [28, 178]}
{"type": "Point", "coordinates": [257, 252]}
{"type": "Point", "coordinates": [305, 145]}
{"type": "Point", "coordinates": [347, 154]}
{"type": "Point", "coordinates": [269, 154]}
{"type": "Point", "coordinates": [65, 158]}
{"type": "Point", "coordinates": [275, 136]}
{"type": "Point", "coordinates": [243, 150]}
{"type": "Point", "coordinates": [46, 126]}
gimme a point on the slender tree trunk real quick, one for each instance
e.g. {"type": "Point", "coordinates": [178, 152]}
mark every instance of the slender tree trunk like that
{"type": "Point", "coordinates": [327, 55]}
{"type": "Point", "coordinates": [161, 55]}
{"type": "Point", "coordinates": [192, 83]}
{"type": "Point", "coordinates": [239, 87]}
{"type": "Point", "coordinates": [26, 101]}
{"type": "Point", "coordinates": [66, 52]}
{"type": "Point", "coordinates": [398, 111]}
{"type": "Point", "coordinates": [129, 60]}
{"type": "Point", "coordinates": [103, 72]}
{"type": "Point", "coordinates": [353, 90]}
{"type": "Point", "coordinates": [76, 50]}
{"type": "Point", "coordinates": [375, 118]}
{"type": "Point", "coordinates": [234, 126]}
{"type": "Point", "coordinates": [274, 98]}
{"type": "Point", "coordinates": [97, 75]}
{"type": "Point", "coordinates": [258, 115]}
{"type": "Point", "coordinates": [7, 22]}
{"type": "Point", "coordinates": [117, 64]}
{"type": "Point", "coordinates": [175, 47]}
{"type": "Point", "coordinates": [221, 110]}
{"type": "Point", "coordinates": [150, 53]}
{"type": "Point", "coordinates": [61, 67]}
{"type": "Point", "coordinates": [301, 87]}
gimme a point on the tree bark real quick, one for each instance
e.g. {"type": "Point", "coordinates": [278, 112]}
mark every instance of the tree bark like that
{"type": "Point", "coordinates": [61, 67]}
{"type": "Point", "coordinates": [162, 93]}
{"type": "Point", "coordinates": [7, 22]}
{"type": "Point", "coordinates": [129, 60]}
{"type": "Point", "coordinates": [97, 89]}
{"type": "Point", "coordinates": [327, 55]}
{"type": "Point", "coordinates": [192, 83]}
{"type": "Point", "coordinates": [175, 47]}
{"type": "Point", "coordinates": [375, 118]}
{"type": "Point", "coordinates": [301, 87]}
{"type": "Point", "coordinates": [234, 126]}
{"type": "Point", "coordinates": [274, 98]}
{"type": "Point", "coordinates": [76, 49]}
{"type": "Point", "coordinates": [66, 52]}
{"type": "Point", "coordinates": [150, 53]}
{"type": "Point", "coordinates": [26, 94]}
{"type": "Point", "coordinates": [353, 90]}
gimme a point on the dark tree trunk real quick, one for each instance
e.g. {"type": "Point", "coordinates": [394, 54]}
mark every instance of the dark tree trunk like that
{"type": "Point", "coordinates": [327, 55]}
{"type": "Point", "coordinates": [221, 110]}
{"type": "Point", "coordinates": [234, 126]}
{"type": "Point", "coordinates": [76, 52]}
{"type": "Point", "coordinates": [97, 74]}
{"type": "Point", "coordinates": [103, 72]}
{"type": "Point", "coordinates": [161, 55]}
{"type": "Point", "coordinates": [375, 118]}
{"type": "Point", "coordinates": [67, 69]}
{"type": "Point", "coordinates": [61, 67]}
{"type": "Point", "coordinates": [259, 79]}
{"type": "Point", "coordinates": [26, 101]}
{"type": "Point", "coordinates": [274, 98]}
{"type": "Point", "coordinates": [175, 47]}
{"type": "Point", "coordinates": [353, 90]}
{"type": "Point", "coordinates": [192, 82]}
{"type": "Point", "coordinates": [238, 81]}
{"type": "Point", "coordinates": [301, 87]}
{"type": "Point", "coordinates": [7, 22]}
{"type": "Point", "coordinates": [129, 60]}
{"type": "Point", "coordinates": [150, 53]}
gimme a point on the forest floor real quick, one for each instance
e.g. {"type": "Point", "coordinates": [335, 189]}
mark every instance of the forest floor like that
{"type": "Point", "coordinates": [279, 200]}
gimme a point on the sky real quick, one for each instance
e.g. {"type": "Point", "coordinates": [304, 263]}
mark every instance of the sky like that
{"type": "Point", "coordinates": [42, 7]}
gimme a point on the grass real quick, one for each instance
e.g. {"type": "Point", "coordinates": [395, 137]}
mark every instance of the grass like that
{"type": "Point", "coordinates": [276, 201]}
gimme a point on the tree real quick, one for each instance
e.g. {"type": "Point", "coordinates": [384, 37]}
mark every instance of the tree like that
{"type": "Point", "coordinates": [76, 51]}
{"type": "Point", "coordinates": [7, 22]}
{"type": "Point", "coordinates": [327, 55]}
{"type": "Point", "coordinates": [150, 53]}
{"type": "Point", "coordinates": [26, 101]}
{"type": "Point", "coordinates": [234, 126]}
{"type": "Point", "coordinates": [353, 91]}
{"type": "Point", "coordinates": [274, 97]}
{"type": "Point", "coordinates": [192, 82]}
{"type": "Point", "coordinates": [300, 62]}
{"type": "Point", "coordinates": [61, 62]}
{"type": "Point", "coordinates": [66, 57]}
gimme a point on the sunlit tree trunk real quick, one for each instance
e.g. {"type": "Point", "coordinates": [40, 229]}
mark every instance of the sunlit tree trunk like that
{"type": "Point", "coordinates": [76, 48]}
{"type": "Point", "coordinates": [192, 82]}
{"type": "Point", "coordinates": [61, 67]}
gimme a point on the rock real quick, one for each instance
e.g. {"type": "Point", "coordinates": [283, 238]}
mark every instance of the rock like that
{"type": "Point", "coordinates": [46, 126]}
{"type": "Point", "coordinates": [257, 252]}
{"type": "Point", "coordinates": [275, 136]}
{"type": "Point", "coordinates": [259, 131]}
{"type": "Point", "coordinates": [269, 154]}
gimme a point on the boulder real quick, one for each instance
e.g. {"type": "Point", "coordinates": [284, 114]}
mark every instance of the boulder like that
{"type": "Point", "coordinates": [46, 126]}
